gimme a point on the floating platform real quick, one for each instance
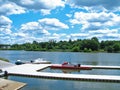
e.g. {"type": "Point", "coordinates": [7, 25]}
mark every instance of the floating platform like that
{"type": "Point", "coordinates": [31, 70]}
{"type": "Point", "coordinates": [102, 67]}
{"type": "Point", "coordinates": [80, 77]}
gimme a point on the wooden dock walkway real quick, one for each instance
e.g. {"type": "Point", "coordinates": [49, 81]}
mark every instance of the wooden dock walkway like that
{"type": "Point", "coordinates": [31, 71]}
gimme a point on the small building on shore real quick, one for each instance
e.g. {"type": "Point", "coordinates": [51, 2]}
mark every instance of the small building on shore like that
{"type": "Point", "coordinates": [5, 46]}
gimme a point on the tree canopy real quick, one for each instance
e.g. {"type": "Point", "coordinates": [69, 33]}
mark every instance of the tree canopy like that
{"type": "Point", "coordinates": [85, 45]}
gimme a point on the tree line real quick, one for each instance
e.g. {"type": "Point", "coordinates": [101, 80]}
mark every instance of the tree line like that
{"type": "Point", "coordinates": [85, 45]}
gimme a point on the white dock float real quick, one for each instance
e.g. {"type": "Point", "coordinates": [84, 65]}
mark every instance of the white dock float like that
{"type": "Point", "coordinates": [102, 67]}
{"type": "Point", "coordinates": [31, 71]}
{"type": "Point", "coordinates": [81, 77]}
{"type": "Point", "coordinates": [26, 68]}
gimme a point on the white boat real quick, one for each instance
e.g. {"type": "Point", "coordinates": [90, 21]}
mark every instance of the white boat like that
{"type": "Point", "coordinates": [1, 73]}
{"type": "Point", "coordinates": [40, 61]}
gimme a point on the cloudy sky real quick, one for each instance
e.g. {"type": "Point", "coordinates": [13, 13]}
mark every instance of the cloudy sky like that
{"type": "Point", "coordinates": [42, 20]}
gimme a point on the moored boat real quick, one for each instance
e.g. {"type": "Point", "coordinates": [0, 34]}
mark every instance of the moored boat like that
{"type": "Point", "coordinates": [40, 61]}
{"type": "Point", "coordinates": [36, 61]}
{"type": "Point", "coordinates": [19, 62]}
{"type": "Point", "coordinates": [67, 65]}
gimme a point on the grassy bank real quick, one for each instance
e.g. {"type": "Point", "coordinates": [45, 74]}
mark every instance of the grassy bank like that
{"type": "Point", "coordinates": [3, 59]}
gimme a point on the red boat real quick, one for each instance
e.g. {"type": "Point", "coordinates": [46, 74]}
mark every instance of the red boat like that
{"type": "Point", "coordinates": [67, 65]}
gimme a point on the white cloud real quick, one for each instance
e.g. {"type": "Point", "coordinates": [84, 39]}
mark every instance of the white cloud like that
{"type": "Point", "coordinates": [101, 34]}
{"type": "Point", "coordinates": [33, 28]}
{"type": "Point", "coordinates": [58, 37]}
{"type": "Point", "coordinates": [52, 24]}
{"type": "Point", "coordinates": [45, 12]}
{"type": "Point", "coordinates": [69, 15]}
{"type": "Point", "coordinates": [106, 31]}
{"type": "Point", "coordinates": [41, 4]}
{"type": "Point", "coordinates": [39, 30]}
{"type": "Point", "coordinates": [96, 21]}
{"type": "Point", "coordinates": [30, 26]}
{"type": "Point", "coordinates": [109, 5]}
{"type": "Point", "coordinates": [79, 35]}
{"type": "Point", "coordinates": [105, 34]}
{"type": "Point", "coordinates": [45, 6]}
{"type": "Point", "coordinates": [5, 33]}
{"type": "Point", "coordinates": [100, 18]}
{"type": "Point", "coordinates": [42, 26]}
{"type": "Point", "coordinates": [5, 25]}
{"type": "Point", "coordinates": [8, 8]}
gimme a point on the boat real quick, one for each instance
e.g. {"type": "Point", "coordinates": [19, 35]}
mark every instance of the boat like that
{"type": "Point", "coordinates": [1, 73]}
{"type": "Point", "coordinates": [40, 61]}
{"type": "Point", "coordinates": [67, 65]}
{"type": "Point", "coordinates": [19, 62]}
{"type": "Point", "coordinates": [36, 61]}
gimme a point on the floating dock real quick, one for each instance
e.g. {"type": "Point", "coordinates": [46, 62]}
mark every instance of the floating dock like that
{"type": "Point", "coordinates": [99, 66]}
{"type": "Point", "coordinates": [31, 70]}
{"type": "Point", "coordinates": [103, 67]}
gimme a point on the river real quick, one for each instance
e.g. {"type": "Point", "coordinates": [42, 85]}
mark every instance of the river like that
{"type": "Point", "coordinates": [73, 57]}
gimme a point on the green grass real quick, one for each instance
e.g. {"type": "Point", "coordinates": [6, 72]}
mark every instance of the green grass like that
{"type": "Point", "coordinates": [3, 59]}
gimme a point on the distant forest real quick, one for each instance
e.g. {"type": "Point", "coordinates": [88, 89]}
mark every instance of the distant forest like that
{"type": "Point", "coordinates": [85, 45]}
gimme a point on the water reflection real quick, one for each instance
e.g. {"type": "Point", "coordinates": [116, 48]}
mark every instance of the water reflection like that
{"type": "Point", "coordinates": [51, 70]}
{"type": "Point", "coordinates": [67, 70]}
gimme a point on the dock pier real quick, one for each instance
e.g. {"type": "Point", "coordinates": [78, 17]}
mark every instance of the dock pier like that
{"type": "Point", "coordinates": [103, 67]}
{"type": "Point", "coordinates": [31, 70]}
{"type": "Point", "coordinates": [81, 77]}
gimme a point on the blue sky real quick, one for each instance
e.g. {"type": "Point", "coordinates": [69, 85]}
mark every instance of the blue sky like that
{"type": "Point", "coordinates": [24, 21]}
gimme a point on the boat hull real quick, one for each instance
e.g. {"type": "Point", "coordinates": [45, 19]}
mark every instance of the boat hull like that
{"type": "Point", "coordinates": [70, 67]}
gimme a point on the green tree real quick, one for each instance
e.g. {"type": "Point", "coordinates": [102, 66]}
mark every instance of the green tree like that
{"type": "Point", "coordinates": [75, 49]}
{"type": "Point", "coordinates": [110, 49]}
{"type": "Point", "coordinates": [116, 47]}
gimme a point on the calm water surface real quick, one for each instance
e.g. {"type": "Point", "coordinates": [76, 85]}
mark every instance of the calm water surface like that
{"type": "Point", "coordinates": [60, 57]}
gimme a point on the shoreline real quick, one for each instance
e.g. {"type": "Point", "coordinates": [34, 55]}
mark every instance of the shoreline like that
{"type": "Point", "coordinates": [9, 84]}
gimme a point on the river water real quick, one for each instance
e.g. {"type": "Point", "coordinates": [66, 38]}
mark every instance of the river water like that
{"type": "Point", "coordinates": [73, 57]}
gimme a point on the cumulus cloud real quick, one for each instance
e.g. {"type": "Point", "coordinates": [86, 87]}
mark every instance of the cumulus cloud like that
{"type": "Point", "coordinates": [106, 31]}
{"type": "Point", "coordinates": [108, 4]}
{"type": "Point", "coordinates": [5, 30]}
{"type": "Point", "coordinates": [30, 26]}
{"type": "Point", "coordinates": [33, 28]}
{"type": "Point", "coordinates": [5, 25]}
{"type": "Point", "coordinates": [52, 24]}
{"type": "Point", "coordinates": [42, 26]}
{"type": "Point", "coordinates": [99, 18]}
{"type": "Point", "coordinates": [8, 8]}
{"type": "Point", "coordinates": [45, 6]}
{"type": "Point", "coordinates": [96, 21]}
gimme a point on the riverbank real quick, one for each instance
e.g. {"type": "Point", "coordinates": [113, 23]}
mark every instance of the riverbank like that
{"type": "Point", "coordinates": [3, 59]}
